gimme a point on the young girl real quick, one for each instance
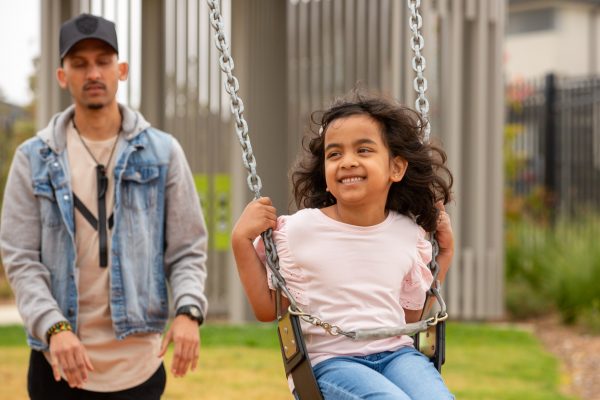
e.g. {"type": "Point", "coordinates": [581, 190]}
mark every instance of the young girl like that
{"type": "Point", "coordinates": [356, 255]}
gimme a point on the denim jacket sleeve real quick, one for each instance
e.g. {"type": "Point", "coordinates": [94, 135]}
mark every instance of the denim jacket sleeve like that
{"type": "Point", "coordinates": [20, 243]}
{"type": "Point", "coordinates": [186, 236]}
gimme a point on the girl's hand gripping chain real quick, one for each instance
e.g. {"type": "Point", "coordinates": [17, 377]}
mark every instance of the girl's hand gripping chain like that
{"type": "Point", "coordinates": [445, 239]}
{"type": "Point", "coordinates": [257, 217]}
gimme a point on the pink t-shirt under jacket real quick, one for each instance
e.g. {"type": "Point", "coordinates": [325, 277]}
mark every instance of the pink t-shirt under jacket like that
{"type": "Point", "coordinates": [355, 277]}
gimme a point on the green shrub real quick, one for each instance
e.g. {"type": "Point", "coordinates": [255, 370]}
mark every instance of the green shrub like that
{"type": "Point", "coordinates": [526, 274]}
{"type": "Point", "coordinates": [590, 317]}
{"type": "Point", "coordinates": [554, 270]}
{"type": "Point", "coordinates": [9, 140]}
{"type": "Point", "coordinates": [576, 270]}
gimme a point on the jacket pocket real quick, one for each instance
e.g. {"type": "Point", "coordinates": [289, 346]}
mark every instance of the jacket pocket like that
{"type": "Point", "coordinates": [49, 210]}
{"type": "Point", "coordinates": [140, 187]}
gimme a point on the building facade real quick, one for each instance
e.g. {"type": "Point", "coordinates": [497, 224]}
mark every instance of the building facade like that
{"type": "Point", "coordinates": [293, 57]}
{"type": "Point", "coordinates": [559, 36]}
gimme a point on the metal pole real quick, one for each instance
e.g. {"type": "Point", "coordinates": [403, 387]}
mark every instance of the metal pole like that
{"type": "Point", "coordinates": [550, 146]}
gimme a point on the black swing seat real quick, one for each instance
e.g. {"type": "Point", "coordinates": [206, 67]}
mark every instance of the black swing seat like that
{"type": "Point", "coordinates": [295, 357]}
{"type": "Point", "coordinates": [432, 343]}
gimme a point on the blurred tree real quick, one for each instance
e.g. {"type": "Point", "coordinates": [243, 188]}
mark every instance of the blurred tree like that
{"type": "Point", "coordinates": [16, 125]}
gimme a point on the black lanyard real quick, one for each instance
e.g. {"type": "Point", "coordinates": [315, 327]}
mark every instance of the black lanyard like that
{"type": "Point", "coordinates": [101, 223]}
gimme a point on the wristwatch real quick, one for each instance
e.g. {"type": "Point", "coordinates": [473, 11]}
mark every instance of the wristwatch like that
{"type": "Point", "coordinates": [192, 312]}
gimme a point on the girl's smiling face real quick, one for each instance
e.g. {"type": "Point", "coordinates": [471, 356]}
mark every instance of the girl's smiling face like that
{"type": "Point", "coordinates": [359, 169]}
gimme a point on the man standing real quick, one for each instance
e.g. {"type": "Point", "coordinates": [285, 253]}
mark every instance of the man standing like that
{"type": "Point", "coordinates": [100, 213]}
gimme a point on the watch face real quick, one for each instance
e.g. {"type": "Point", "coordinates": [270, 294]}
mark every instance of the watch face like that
{"type": "Point", "coordinates": [195, 312]}
{"type": "Point", "coordinates": [192, 312]}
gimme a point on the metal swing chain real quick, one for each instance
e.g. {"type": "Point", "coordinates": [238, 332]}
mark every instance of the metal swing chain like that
{"type": "Point", "coordinates": [237, 105]}
{"type": "Point", "coordinates": [255, 184]}
{"type": "Point", "coordinates": [254, 181]}
{"type": "Point", "coordinates": [241, 128]}
{"type": "Point", "coordinates": [417, 43]}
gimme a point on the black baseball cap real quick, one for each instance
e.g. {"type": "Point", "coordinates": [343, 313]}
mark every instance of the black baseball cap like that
{"type": "Point", "coordinates": [86, 26]}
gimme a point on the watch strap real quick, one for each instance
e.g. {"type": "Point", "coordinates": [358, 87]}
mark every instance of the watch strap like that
{"type": "Point", "coordinates": [192, 311]}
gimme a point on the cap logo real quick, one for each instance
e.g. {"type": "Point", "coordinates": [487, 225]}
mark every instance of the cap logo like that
{"type": "Point", "coordinates": [87, 25]}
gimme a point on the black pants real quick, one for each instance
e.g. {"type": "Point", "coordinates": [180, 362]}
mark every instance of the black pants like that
{"type": "Point", "coordinates": [42, 386]}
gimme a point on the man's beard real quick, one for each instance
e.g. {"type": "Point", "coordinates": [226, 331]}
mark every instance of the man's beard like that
{"type": "Point", "coordinates": [95, 106]}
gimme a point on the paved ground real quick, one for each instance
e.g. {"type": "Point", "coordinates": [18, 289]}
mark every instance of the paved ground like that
{"type": "Point", "coordinates": [579, 353]}
{"type": "Point", "coordinates": [9, 315]}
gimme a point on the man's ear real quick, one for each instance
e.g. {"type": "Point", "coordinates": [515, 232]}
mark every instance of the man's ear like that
{"type": "Point", "coordinates": [398, 168]}
{"type": "Point", "coordinates": [123, 71]}
{"type": "Point", "coordinates": [61, 77]}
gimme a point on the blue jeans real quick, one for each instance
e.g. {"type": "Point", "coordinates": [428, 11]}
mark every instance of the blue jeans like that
{"type": "Point", "coordinates": [405, 374]}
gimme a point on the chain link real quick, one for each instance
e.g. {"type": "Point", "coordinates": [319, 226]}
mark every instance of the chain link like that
{"type": "Point", "coordinates": [331, 329]}
{"type": "Point", "coordinates": [241, 126]}
{"type": "Point", "coordinates": [417, 42]}
{"type": "Point", "coordinates": [237, 106]}
{"type": "Point", "coordinates": [434, 290]}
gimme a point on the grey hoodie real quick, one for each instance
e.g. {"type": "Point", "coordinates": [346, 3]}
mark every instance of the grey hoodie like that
{"type": "Point", "coordinates": [159, 234]}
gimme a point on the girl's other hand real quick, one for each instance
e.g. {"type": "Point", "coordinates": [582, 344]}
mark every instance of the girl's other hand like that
{"type": "Point", "coordinates": [443, 233]}
{"type": "Point", "coordinates": [258, 216]}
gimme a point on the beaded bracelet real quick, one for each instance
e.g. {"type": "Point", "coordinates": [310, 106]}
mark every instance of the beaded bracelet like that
{"type": "Point", "coordinates": [61, 326]}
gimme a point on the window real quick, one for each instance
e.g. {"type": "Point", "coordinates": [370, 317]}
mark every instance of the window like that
{"type": "Point", "coordinates": [531, 21]}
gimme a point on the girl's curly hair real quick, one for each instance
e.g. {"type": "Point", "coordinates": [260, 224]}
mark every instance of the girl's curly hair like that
{"type": "Point", "coordinates": [426, 181]}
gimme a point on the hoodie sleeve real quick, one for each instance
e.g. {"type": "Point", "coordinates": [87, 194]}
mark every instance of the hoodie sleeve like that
{"type": "Point", "coordinates": [185, 234]}
{"type": "Point", "coordinates": [20, 244]}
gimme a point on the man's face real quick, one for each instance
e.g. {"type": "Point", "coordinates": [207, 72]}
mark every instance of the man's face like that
{"type": "Point", "coordinates": [91, 73]}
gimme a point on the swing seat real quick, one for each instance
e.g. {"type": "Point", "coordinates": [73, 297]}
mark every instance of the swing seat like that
{"type": "Point", "coordinates": [295, 357]}
{"type": "Point", "coordinates": [432, 343]}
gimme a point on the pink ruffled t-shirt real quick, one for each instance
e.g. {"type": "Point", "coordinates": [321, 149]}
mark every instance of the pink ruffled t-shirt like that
{"type": "Point", "coordinates": [355, 277]}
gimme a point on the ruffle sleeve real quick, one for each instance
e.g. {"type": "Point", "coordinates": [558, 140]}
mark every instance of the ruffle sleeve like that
{"type": "Point", "coordinates": [418, 280]}
{"type": "Point", "coordinates": [291, 272]}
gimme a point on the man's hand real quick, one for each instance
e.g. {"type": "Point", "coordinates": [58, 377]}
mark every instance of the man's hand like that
{"type": "Point", "coordinates": [184, 333]}
{"type": "Point", "coordinates": [67, 352]}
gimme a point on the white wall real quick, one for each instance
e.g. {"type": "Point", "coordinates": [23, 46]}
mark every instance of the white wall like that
{"type": "Point", "coordinates": [566, 50]}
{"type": "Point", "coordinates": [574, 45]}
{"type": "Point", "coordinates": [531, 55]}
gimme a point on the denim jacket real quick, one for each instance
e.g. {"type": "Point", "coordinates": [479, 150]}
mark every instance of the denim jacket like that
{"type": "Point", "coordinates": [159, 234]}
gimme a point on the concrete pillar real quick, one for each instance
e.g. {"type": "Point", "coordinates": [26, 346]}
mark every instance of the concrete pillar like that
{"type": "Point", "coordinates": [153, 93]}
{"type": "Point", "coordinates": [495, 148]}
{"type": "Point", "coordinates": [258, 47]}
{"type": "Point", "coordinates": [52, 98]}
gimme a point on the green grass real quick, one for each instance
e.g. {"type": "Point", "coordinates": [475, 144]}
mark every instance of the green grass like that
{"type": "Point", "coordinates": [12, 336]}
{"type": "Point", "coordinates": [487, 362]}
{"type": "Point", "coordinates": [262, 336]}
{"type": "Point", "coordinates": [483, 362]}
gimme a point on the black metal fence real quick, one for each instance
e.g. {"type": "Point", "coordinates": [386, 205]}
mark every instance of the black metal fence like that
{"type": "Point", "coordinates": [552, 148]}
